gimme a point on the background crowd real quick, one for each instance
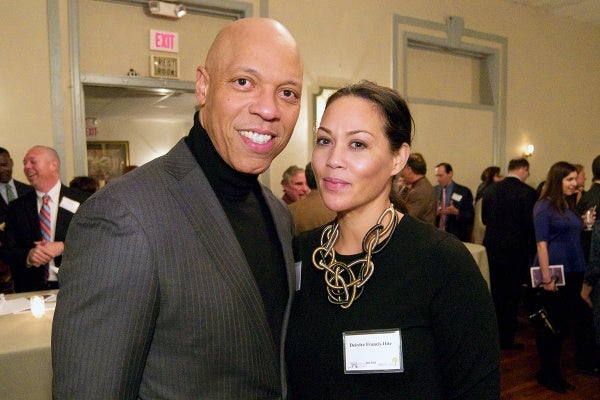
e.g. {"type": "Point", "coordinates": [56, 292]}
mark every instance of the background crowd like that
{"type": "Point", "coordinates": [205, 299]}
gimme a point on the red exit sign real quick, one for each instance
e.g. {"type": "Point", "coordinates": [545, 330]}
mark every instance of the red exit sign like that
{"type": "Point", "coordinates": [164, 41]}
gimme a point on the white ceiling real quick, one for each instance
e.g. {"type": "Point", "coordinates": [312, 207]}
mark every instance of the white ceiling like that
{"type": "Point", "coordinates": [101, 102]}
{"type": "Point", "coordinates": [581, 10]}
{"type": "Point", "coordinates": [138, 103]}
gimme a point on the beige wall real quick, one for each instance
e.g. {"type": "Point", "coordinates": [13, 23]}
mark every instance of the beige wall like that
{"type": "Point", "coordinates": [552, 94]}
{"type": "Point", "coordinates": [25, 113]}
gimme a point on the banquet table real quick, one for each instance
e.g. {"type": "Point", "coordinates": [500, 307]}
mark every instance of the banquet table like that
{"type": "Point", "coordinates": [480, 255]}
{"type": "Point", "coordinates": [25, 359]}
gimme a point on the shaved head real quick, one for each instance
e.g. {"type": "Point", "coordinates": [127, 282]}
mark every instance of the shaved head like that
{"type": "Point", "coordinates": [249, 92]}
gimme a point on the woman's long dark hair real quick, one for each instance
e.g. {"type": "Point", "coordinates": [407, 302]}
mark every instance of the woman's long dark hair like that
{"type": "Point", "coordinates": [553, 189]}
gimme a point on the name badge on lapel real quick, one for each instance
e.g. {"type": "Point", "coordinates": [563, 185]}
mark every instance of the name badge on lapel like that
{"type": "Point", "coordinates": [456, 197]}
{"type": "Point", "coordinates": [373, 351]}
{"type": "Point", "coordinates": [298, 269]}
{"type": "Point", "coordinates": [69, 204]}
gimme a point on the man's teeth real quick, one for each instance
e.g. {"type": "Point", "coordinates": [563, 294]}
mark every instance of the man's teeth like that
{"type": "Point", "coordinates": [256, 137]}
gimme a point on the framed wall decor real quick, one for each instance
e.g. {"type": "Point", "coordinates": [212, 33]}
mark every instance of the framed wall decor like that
{"type": "Point", "coordinates": [106, 159]}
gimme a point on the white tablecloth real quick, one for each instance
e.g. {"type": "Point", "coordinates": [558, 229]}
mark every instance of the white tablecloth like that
{"type": "Point", "coordinates": [480, 255]}
{"type": "Point", "coordinates": [25, 358]}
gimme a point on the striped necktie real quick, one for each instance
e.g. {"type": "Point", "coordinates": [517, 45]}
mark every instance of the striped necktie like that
{"type": "Point", "coordinates": [46, 227]}
{"type": "Point", "coordinates": [45, 221]}
{"type": "Point", "coordinates": [10, 195]}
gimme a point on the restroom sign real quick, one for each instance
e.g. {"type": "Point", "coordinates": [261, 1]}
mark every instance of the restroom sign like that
{"type": "Point", "coordinates": [164, 41]}
{"type": "Point", "coordinates": [164, 67]}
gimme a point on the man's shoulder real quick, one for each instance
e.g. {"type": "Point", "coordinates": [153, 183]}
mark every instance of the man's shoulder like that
{"type": "Point", "coordinates": [589, 198]}
{"type": "Point", "coordinates": [521, 186]}
{"type": "Point", "coordinates": [275, 202]}
{"type": "Point", "coordinates": [312, 200]}
{"type": "Point", "coordinates": [422, 188]}
{"type": "Point", "coordinates": [22, 186]}
{"type": "Point", "coordinates": [461, 188]}
{"type": "Point", "coordinates": [593, 193]}
{"type": "Point", "coordinates": [424, 183]}
{"type": "Point", "coordinates": [23, 199]}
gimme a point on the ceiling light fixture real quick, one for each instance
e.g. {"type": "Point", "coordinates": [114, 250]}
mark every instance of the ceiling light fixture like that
{"type": "Point", "coordinates": [166, 9]}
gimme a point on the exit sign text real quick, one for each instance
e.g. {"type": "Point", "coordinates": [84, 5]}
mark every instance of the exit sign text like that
{"type": "Point", "coordinates": [164, 41]}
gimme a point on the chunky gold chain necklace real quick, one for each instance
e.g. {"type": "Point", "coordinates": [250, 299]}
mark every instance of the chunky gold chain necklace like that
{"type": "Point", "coordinates": [343, 284]}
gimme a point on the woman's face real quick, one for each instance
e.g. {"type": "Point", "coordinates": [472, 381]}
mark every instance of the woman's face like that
{"type": "Point", "coordinates": [352, 159]}
{"type": "Point", "coordinates": [569, 183]}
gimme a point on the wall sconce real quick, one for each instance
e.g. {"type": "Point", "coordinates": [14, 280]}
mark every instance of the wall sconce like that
{"type": "Point", "coordinates": [166, 9]}
{"type": "Point", "coordinates": [528, 151]}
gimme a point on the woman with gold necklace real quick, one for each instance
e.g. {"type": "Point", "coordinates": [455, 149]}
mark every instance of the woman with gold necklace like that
{"type": "Point", "coordinates": [386, 307]}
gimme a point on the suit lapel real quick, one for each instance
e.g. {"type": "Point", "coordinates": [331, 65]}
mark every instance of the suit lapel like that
{"type": "Point", "coordinates": [194, 195]}
{"type": "Point", "coordinates": [285, 238]}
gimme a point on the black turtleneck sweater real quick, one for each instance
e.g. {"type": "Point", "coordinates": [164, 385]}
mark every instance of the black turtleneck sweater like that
{"type": "Point", "coordinates": [242, 200]}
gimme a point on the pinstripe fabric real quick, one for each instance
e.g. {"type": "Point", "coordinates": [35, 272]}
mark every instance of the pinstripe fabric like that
{"type": "Point", "coordinates": [174, 311]}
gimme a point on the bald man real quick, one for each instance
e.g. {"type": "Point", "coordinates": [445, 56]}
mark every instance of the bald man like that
{"type": "Point", "coordinates": [35, 256]}
{"type": "Point", "coordinates": [179, 276]}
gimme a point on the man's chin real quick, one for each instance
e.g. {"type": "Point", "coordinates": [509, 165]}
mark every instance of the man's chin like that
{"type": "Point", "coordinates": [252, 168]}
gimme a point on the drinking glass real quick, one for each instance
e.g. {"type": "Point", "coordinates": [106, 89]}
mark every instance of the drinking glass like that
{"type": "Point", "coordinates": [590, 218]}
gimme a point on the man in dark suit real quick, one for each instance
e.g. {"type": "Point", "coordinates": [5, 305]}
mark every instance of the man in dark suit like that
{"type": "Point", "coordinates": [33, 257]}
{"type": "Point", "coordinates": [178, 277]}
{"type": "Point", "coordinates": [507, 212]}
{"type": "Point", "coordinates": [10, 189]}
{"type": "Point", "coordinates": [455, 212]}
{"type": "Point", "coordinates": [588, 200]}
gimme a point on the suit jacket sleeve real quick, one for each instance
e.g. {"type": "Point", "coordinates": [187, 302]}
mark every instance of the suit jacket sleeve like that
{"type": "Point", "coordinates": [466, 209]}
{"type": "Point", "coordinates": [93, 348]}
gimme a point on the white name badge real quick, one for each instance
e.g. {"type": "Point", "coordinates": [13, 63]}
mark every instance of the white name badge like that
{"type": "Point", "coordinates": [374, 351]}
{"type": "Point", "coordinates": [69, 204]}
{"type": "Point", "coordinates": [298, 269]}
{"type": "Point", "coordinates": [456, 197]}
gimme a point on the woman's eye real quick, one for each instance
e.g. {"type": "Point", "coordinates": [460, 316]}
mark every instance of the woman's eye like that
{"type": "Point", "coordinates": [357, 145]}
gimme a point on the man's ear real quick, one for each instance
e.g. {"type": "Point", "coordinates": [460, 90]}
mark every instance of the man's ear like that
{"type": "Point", "coordinates": [400, 158]}
{"type": "Point", "coordinates": [202, 82]}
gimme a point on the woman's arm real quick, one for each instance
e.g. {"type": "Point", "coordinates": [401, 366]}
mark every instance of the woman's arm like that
{"type": "Point", "coordinates": [547, 282]}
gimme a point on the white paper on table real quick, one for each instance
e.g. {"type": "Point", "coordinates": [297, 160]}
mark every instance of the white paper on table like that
{"type": "Point", "coordinates": [23, 304]}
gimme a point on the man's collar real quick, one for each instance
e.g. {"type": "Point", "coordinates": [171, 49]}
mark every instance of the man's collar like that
{"type": "Point", "coordinates": [54, 192]}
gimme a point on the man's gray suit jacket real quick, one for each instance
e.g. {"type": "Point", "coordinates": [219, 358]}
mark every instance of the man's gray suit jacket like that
{"type": "Point", "coordinates": [157, 299]}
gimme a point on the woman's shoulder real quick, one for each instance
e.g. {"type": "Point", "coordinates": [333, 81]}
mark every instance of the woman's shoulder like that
{"type": "Point", "coordinates": [307, 241]}
{"type": "Point", "coordinates": [418, 237]}
{"type": "Point", "coordinates": [542, 205]}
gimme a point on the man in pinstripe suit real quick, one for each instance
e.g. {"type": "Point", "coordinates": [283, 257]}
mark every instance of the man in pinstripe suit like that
{"type": "Point", "coordinates": [177, 278]}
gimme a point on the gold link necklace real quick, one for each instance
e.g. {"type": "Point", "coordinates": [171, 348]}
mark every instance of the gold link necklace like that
{"type": "Point", "coordinates": [344, 286]}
